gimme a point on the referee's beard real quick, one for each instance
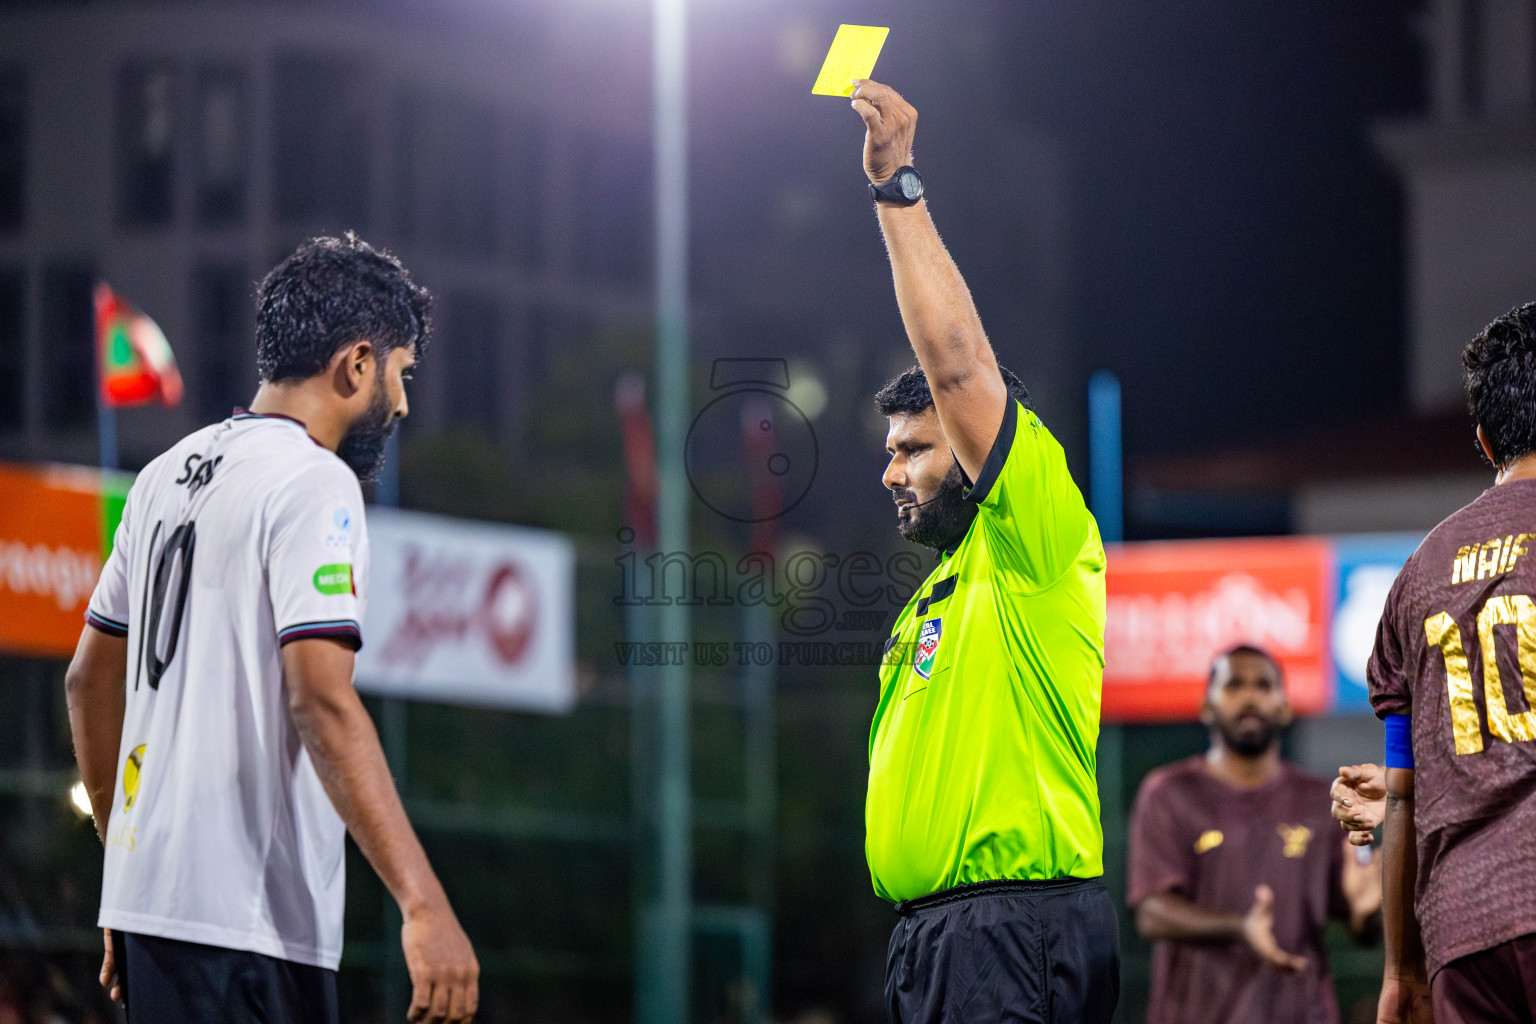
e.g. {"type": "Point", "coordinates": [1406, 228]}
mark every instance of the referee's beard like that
{"type": "Point", "coordinates": [943, 519]}
{"type": "Point", "coordinates": [365, 443]}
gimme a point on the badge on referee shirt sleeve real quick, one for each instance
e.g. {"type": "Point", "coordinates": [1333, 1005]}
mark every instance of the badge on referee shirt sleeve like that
{"type": "Point", "coordinates": [927, 647]}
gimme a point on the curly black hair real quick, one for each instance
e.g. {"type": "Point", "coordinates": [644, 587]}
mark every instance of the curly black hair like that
{"type": "Point", "coordinates": [1500, 373]}
{"type": "Point", "coordinates": [908, 394]}
{"type": "Point", "coordinates": [330, 293]}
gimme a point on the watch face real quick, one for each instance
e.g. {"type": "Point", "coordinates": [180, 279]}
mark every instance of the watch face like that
{"type": "Point", "coordinates": [911, 185]}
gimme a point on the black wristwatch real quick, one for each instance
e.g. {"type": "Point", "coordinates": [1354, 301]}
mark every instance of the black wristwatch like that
{"type": "Point", "coordinates": [904, 188]}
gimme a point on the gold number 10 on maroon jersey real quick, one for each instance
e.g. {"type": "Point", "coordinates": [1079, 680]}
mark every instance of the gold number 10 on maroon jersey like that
{"type": "Point", "coordinates": [1441, 631]}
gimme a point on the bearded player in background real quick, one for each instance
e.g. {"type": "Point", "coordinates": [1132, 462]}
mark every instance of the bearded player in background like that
{"type": "Point", "coordinates": [1235, 870]}
{"type": "Point", "coordinates": [1453, 675]}
{"type": "Point", "coordinates": [223, 746]}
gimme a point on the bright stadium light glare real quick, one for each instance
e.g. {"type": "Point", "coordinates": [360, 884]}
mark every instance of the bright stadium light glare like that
{"type": "Point", "coordinates": [806, 391]}
{"type": "Point", "coordinates": [80, 800]}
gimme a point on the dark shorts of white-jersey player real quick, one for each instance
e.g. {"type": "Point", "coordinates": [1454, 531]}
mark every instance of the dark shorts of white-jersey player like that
{"type": "Point", "coordinates": [218, 653]}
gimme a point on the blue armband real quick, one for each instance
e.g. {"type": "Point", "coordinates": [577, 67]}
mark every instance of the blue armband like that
{"type": "Point", "coordinates": [1399, 741]}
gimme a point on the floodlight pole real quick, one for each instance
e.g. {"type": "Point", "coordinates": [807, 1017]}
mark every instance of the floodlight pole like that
{"type": "Point", "coordinates": [663, 951]}
{"type": "Point", "coordinates": [392, 736]}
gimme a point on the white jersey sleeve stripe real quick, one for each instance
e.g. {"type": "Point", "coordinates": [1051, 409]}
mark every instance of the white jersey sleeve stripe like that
{"type": "Point", "coordinates": [340, 629]}
{"type": "Point", "coordinates": [106, 625]}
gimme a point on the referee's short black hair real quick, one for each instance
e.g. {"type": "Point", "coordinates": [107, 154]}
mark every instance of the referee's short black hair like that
{"type": "Point", "coordinates": [332, 292]}
{"type": "Point", "coordinates": [908, 394]}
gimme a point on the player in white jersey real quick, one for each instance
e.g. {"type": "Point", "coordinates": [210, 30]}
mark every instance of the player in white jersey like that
{"type": "Point", "coordinates": [211, 699]}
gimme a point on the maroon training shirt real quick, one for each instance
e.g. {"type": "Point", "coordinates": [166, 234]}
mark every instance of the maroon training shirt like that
{"type": "Point", "coordinates": [1457, 648]}
{"type": "Point", "coordinates": [1213, 844]}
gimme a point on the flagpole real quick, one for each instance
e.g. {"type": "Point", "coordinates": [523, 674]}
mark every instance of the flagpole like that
{"type": "Point", "coordinates": [102, 302]}
{"type": "Point", "coordinates": [106, 424]}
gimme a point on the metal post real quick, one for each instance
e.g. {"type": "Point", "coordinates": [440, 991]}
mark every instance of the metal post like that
{"type": "Point", "coordinates": [106, 427]}
{"type": "Point", "coordinates": [1106, 486]}
{"type": "Point", "coordinates": [392, 737]}
{"type": "Point", "coordinates": [397, 982]}
{"type": "Point", "coordinates": [664, 947]}
{"type": "Point", "coordinates": [35, 813]}
{"type": "Point", "coordinates": [762, 791]}
{"type": "Point", "coordinates": [1104, 464]}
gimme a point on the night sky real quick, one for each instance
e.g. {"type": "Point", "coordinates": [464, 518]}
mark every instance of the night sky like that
{"type": "Point", "coordinates": [1241, 243]}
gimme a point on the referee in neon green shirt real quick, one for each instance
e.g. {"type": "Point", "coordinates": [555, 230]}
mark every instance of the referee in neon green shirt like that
{"type": "Point", "coordinates": [982, 817]}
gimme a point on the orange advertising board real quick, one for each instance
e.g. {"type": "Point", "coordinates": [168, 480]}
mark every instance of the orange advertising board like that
{"type": "Point", "coordinates": [1174, 605]}
{"type": "Point", "coordinates": [54, 523]}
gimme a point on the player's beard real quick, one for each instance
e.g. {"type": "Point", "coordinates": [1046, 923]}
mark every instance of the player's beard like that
{"type": "Point", "coordinates": [1251, 741]}
{"type": "Point", "coordinates": [366, 440]}
{"type": "Point", "coordinates": [944, 519]}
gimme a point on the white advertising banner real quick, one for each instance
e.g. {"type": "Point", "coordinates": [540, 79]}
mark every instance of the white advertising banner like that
{"type": "Point", "coordinates": [465, 612]}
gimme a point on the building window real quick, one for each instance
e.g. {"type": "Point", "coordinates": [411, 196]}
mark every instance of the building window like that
{"type": "Point", "coordinates": [446, 149]}
{"type": "Point", "coordinates": [613, 222]}
{"type": "Point", "coordinates": [467, 201]}
{"type": "Point", "coordinates": [524, 193]}
{"type": "Point", "coordinates": [320, 152]}
{"type": "Point", "coordinates": [1472, 57]}
{"type": "Point", "coordinates": [413, 150]}
{"type": "Point", "coordinates": [470, 324]}
{"type": "Point", "coordinates": [146, 151]}
{"type": "Point", "coordinates": [13, 348]}
{"type": "Point", "coordinates": [221, 147]}
{"type": "Point", "coordinates": [13, 148]}
{"type": "Point", "coordinates": [68, 346]}
{"type": "Point", "coordinates": [548, 331]}
{"type": "Point", "coordinates": [223, 301]}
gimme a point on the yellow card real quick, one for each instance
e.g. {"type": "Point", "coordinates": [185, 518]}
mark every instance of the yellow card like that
{"type": "Point", "coordinates": [853, 54]}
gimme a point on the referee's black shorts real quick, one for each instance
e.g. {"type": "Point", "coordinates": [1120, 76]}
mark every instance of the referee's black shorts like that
{"type": "Point", "coordinates": [166, 980]}
{"type": "Point", "coordinates": [1015, 952]}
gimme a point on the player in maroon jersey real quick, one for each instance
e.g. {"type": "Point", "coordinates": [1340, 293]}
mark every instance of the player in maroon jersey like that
{"type": "Point", "coordinates": [1454, 676]}
{"type": "Point", "coordinates": [1235, 868]}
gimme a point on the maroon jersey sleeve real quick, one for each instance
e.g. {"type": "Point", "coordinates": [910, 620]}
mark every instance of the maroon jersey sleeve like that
{"type": "Point", "coordinates": [1391, 688]}
{"type": "Point", "coordinates": [1159, 858]}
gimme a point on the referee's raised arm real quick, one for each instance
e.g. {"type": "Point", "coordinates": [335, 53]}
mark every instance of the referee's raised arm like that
{"type": "Point", "coordinates": [982, 813]}
{"type": "Point", "coordinates": [936, 306]}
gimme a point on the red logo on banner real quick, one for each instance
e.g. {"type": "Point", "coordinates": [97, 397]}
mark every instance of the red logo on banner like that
{"type": "Point", "coordinates": [1173, 606]}
{"type": "Point", "coordinates": [509, 613]}
{"type": "Point", "coordinates": [442, 608]}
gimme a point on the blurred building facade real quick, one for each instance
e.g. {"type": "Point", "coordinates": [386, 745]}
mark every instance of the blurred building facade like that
{"type": "Point", "coordinates": [179, 151]}
{"type": "Point", "coordinates": [1467, 164]}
